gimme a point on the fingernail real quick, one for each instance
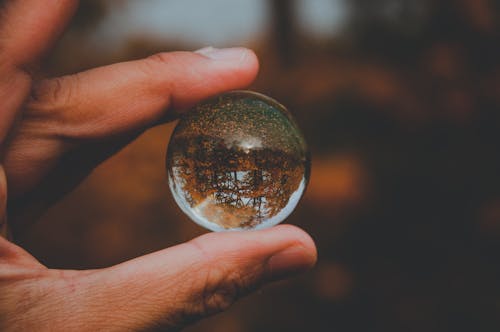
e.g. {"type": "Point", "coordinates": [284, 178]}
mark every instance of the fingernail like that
{"type": "Point", "coordinates": [289, 262]}
{"type": "Point", "coordinates": [224, 54]}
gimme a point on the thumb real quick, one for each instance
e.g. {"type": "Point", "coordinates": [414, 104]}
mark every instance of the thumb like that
{"type": "Point", "coordinates": [182, 284]}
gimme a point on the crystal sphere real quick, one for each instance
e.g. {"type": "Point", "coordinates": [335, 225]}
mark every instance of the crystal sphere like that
{"type": "Point", "coordinates": [237, 161]}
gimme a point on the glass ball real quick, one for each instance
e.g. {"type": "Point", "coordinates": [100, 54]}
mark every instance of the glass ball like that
{"type": "Point", "coordinates": [237, 162]}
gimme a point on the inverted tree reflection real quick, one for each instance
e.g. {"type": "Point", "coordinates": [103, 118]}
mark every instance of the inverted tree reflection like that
{"type": "Point", "coordinates": [249, 184]}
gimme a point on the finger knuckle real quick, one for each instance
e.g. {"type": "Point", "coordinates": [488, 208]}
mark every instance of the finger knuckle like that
{"type": "Point", "coordinates": [220, 283]}
{"type": "Point", "coordinates": [219, 286]}
{"type": "Point", "coordinates": [219, 296]}
{"type": "Point", "coordinates": [161, 58]}
{"type": "Point", "coordinates": [56, 92]}
{"type": "Point", "coordinates": [159, 61]}
{"type": "Point", "coordinates": [222, 288]}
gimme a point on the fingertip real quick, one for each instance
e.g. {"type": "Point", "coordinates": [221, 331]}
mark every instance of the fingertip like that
{"type": "Point", "coordinates": [296, 236]}
{"type": "Point", "coordinates": [252, 65]}
{"type": "Point", "coordinates": [187, 78]}
{"type": "Point", "coordinates": [299, 254]}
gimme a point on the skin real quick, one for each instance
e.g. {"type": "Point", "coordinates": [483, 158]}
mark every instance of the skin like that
{"type": "Point", "coordinates": [49, 126]}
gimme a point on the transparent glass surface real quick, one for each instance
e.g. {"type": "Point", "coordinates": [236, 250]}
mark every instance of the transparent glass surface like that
{"type": "Point", "coordinates": [237, 161]}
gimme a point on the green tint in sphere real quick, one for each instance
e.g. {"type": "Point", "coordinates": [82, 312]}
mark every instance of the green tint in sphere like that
{"type": "Point", "coordinates": [237, 161]}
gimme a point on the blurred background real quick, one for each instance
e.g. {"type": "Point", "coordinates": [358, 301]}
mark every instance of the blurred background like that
{"type": "Point", "coordinates": [400, 103]}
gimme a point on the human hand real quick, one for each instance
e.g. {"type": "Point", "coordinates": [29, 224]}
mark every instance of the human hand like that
{"type": "Point", "coordinates": [53, 132]}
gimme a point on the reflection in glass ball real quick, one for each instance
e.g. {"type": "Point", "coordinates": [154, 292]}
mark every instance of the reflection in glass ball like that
{"type": "Point", "coordinates": [237, 161]}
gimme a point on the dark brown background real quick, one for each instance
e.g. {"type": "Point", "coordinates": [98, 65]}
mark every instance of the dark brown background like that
{"type": "Point", "coordinates": [401, 109]}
